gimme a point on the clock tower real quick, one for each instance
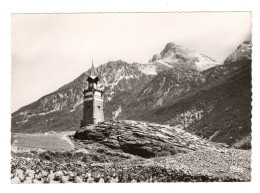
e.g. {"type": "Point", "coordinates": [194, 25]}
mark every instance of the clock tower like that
{"type": "Point", "coordinates": [93, 100]}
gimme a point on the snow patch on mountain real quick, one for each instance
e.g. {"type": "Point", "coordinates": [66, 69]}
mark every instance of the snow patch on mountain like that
{"type": "Point", "coordinates": [163, 63]}
{"type": "Point", "coordinates": [204, 62]}
{"type": "Point", "coordinates": [45, 113]}
{"type": "Point", "coordinates": [174, 55]}
{"type": "Point", "coordinates": [148, 69]}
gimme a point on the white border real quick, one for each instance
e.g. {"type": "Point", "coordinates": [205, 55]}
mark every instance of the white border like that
{"type": "Point", "coordinates": [79, 6]}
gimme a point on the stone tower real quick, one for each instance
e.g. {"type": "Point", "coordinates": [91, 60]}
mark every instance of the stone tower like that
{"type": "Point", "coordinates": [93, 100]}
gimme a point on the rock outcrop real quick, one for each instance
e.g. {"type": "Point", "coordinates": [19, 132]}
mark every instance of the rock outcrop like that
{"type": "Point", "coordinates": [180, 57]}
{"type": "Point", "coordinates": [243, 52]}
{"type": "Point", "coordinates": [141, 138]}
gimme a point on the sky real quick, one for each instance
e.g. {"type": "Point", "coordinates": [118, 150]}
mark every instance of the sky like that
{"type": "Point", "coordinates": [50, 50]}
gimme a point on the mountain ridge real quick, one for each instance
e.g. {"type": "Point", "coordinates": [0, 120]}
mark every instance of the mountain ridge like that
{"type": "Point", "coordinates": [177, 56]}
{"type": "Point", "coordinates": [134, 90]}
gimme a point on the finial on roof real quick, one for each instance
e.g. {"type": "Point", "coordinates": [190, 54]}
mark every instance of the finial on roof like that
{"type": "Point", "coordinates": [92, 71]}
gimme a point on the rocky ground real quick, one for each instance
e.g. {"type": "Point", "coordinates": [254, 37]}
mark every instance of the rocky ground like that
{"type": "Point", "coordinates": [141, 138]}
{"type": "Point", "coordinates": [131, 151]}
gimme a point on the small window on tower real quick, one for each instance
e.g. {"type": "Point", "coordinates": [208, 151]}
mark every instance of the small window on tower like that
{"type": "Point", "coordinates": [88, 106]}
{"type": "Point", "coordinates": [99, 107]}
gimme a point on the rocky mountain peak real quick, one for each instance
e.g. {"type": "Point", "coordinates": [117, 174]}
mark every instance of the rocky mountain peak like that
{"type": "Point", "coordinates": [176, 55]}
{"type": "Point", "coordinates": [113, 63]}
{"type": "Point", "coordinates": [169, 48]}
{"type": "Point", "coordinates": [243, 52]}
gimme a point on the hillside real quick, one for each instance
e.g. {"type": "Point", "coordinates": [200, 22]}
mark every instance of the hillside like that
{"type": "Point", "coordinates": [162, 90]}
{"type": "Point", "coordinates": [219, 109]}
{"type": "Point", "coordinates": [62, 109]}
{"type": "Point", "coordinates": [243, 52]}
{"type": "Point", "coordinates": [123, 83]}
{"type": "Point", "coordinates": [128, 151]}
{"type": "Point", "coordinates": [174, 90]}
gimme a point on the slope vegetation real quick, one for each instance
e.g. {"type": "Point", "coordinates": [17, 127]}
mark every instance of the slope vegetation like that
{"type": "Point", "coordinates": [224, 106]}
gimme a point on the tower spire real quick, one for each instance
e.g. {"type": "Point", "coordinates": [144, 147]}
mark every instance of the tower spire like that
{"type": "Point", "coordinates": [92, 71]}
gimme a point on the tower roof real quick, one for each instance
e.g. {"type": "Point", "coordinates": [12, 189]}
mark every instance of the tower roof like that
{"type": "Point", "coordinates": [93, 74]}
{"type": "Point", "coordinates": [92, 71]}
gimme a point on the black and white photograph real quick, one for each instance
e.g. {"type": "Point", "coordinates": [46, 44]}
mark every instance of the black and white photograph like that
{"type": "Point", "coordinates": [131, 97]}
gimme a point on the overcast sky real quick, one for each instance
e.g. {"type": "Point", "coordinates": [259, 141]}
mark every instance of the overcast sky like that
{"type": "Point", "coordinates": [50, 50]}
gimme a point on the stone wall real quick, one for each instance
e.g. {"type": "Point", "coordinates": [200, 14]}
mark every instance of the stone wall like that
{"type": "Point", "coordinates": [93, 109]}
{"type": "Point", "coordinates": [98, 114]}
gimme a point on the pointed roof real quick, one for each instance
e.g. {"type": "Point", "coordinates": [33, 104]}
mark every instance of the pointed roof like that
{"type": "Point", "coordinates": [92, 71]}
{"type": "Point", "coordinates": [93, 74]}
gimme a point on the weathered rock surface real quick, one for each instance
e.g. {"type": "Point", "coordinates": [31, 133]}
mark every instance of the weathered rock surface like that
{"type": "Point", "coordinates": [141, 138]}
{"type": "Point", "coordinates": [177, 56]}
{"type": "Point", "coordinates": [243, 52]}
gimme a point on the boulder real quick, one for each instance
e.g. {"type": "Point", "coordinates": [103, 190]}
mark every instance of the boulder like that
{"type": "Point", "coordinates": [63, 179]}
{"type": "Point", "coordinates": [71, 176]}
{"type": "Point", "coordinates": [77, 179]}
{"type": "Point", "coordinates": [46, 180]}
{"type": "Point", "coordinates": [44, 173]}
{"type": "Point", "coordinates": [58, 175]}
{"type": "Point", "coordinates": [140, 138]}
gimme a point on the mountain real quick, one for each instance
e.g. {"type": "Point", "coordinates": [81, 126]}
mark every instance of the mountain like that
{"type": "Point", "coordinates": [62, 109]}
{"type": "Point", "coordinates": [243, 52]}
{"type": "Point", "coordinates": [219, 109]}
{"type": "Point", "coordinates": [179, 87]}
{"type": "Point", "coordinates": [123, 82]}
{"type": "Point", "coordinates": [177, 56]}
{"type": "Point", "coordinates": [162, 90]}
